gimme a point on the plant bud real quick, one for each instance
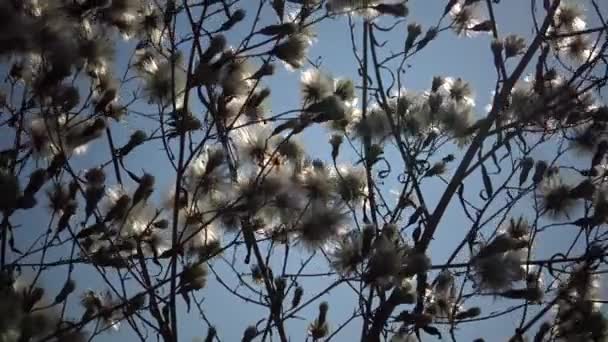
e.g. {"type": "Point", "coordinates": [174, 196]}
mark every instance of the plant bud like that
{"type": "Point", "coordinates": [267, 69]}
{"type": "Point", "coordinates": [161, 224]}
{"type": "Point", "coordinates": [92, 196]}
{"type": "Point", "coordinates": [135, 304]}
{"type": "Point", "coordinates": [323, 308]}
{"type": "Point", "coordinates": [497, 46]}
{"type": "Point", "coordinates": [236, 17]}
{"type": "Point", "coordinates": [335, 141]}
{"type": "Point", "coordinates": [404, 295]}
{"type": "Point", "coordinates": [501, 243]}
{"type": "Point", "coordinates": [396, 10]}
{"type": "Point", "coordinates": [544, 328]}
{"type": "Point", "coordinates": [532, 294]}
{"type": "Point", "coordinates": [413, 31]}
{"type": "Point", "coordinates": [106, 98]}
{"type": "Point", "coordinates": [484, 26]}
{"type": "Point", "coordinates": [437, 169]}
{"type": "Point", "coordinates": [527, 164]}
{"type": "Point", "coordinates": [430, 35]}
{"type": "Point", "coordinates": [279, 30]}
{"type": "Point", "coordinates": [216, 45]}
{"type": "Point", "coordinates": [69, 209]}
{"type": "Point", "coordinates": [584, 189]}
{"type": "Point", "coordinates": [249, 334]}
{"type": "Point", "coordinates": [194, 277]}
{"type": "Point", "coordinates": [26, 202]}
{"type": "Point", "coordinates": [438, 81]}
{"type": "Point", "coordinates": [37, 180]}
{"type": "Point", "coordinates": [514, 45]}
{"type": "Point", "coordinates": [95, 177]}
{"type": "Point", "coordinates": [416, 263]}
{"type": "Point", "coordinates": [32, 298]}
{"type": "Point", "coordinates": [256, 99]}
{"type": "Point", "coordinates": [297, 296]}
{"type": "Point", "coordinates": [211, 334]}
{"type": "Point", "coordinates": [369, 232]}
{"type": "Point", "coordinates": [56, 164]}
{"type": "Point", "coordinates": [68, 288]}
{"type": "Point", "coordinates": [145, 188]}
{"type": "Point", "coordinates": [9, 188]}
{"type": "Point", "coordinates": [470, 313]}
{"type": "Point", "coordinates": [539, 171]}
{"type": "Point", "coordinates": [119, 210]}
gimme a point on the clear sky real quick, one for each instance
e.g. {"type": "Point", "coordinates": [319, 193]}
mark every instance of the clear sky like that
{"type": "Point", "coordinates": [448, 55]}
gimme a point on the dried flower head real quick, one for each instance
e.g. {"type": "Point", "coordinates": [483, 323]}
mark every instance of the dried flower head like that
{"type": "Point", "coordinates": [164, 81]}
{"type": "Point", "coordinates": [375, 125]}
{"type": "Point", "coordinates": [293, 50]}
{"type": "Point", "coordinates": [555, 196]}
{"type": "Point", "coordinates": [514, 45]}
{"type": "Point", "coordinates": [464, 18]}
{"type": "Point", "coordinates": [319, 225]}
{"type": "Point", "coordinates": [499, 271]}
{"type": "Point", "coordinates": [569, 17]}
{"type": "Point", "coordinates": [351, 183]}
{"type": "Point", "coordinates": [347, 255]}
{"type": "Point", "coordinates": [315, 85]}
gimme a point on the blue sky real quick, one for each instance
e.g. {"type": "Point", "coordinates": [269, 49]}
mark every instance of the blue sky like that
{"type": "Point", "coordinates": [448, 55]}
